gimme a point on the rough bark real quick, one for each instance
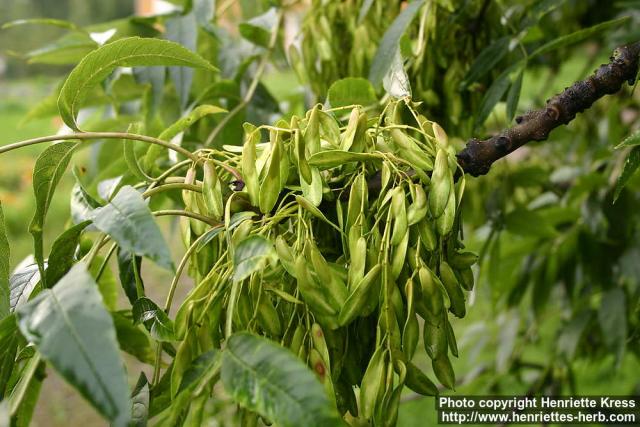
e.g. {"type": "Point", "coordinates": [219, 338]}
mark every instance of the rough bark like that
{"type": "Point", "coordinates": [478, 156]}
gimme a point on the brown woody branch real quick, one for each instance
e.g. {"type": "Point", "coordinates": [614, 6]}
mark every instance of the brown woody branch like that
{"type": "Point", "coordinates": [478, 156]}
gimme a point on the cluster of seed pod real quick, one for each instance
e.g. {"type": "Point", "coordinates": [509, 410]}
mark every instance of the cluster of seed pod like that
{"type": "Point", "coordinates": [437, 45]}
{"type": "Point", "coordinates": [341, 243]}
{"type": "Point", "coordinates": [339, 39]}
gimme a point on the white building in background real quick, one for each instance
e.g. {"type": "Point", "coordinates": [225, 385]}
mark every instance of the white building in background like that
{"type": "Point", "coordinates": [153, 7]}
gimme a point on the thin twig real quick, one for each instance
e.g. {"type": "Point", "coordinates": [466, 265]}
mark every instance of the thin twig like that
{"type": "Point", "coordinates": [82, 136]}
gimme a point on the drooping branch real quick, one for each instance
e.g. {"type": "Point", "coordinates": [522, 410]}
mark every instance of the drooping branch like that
{"type": "Point", "coordinates": [478, 156]}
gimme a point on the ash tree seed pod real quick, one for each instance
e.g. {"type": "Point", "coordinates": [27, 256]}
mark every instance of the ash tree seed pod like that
{"type": "Point", "coordinates": [355, 305]}
{"type": "Point", "coordinates": [371, 387]}
{"type": "Point", "coordinates": [441, 136]}
{"type": "Point", "coordinates": [357, 200]}
{"type": "Point", "coordinates": [244, 308]}
{"type": "Point", "coordinates": [445, 222]}
{"type": "Point", "coordinates": [300, 154]}
{"type": "Point", "coordinates": [312, 131]}
{"type": "Point", "coordinates": [269, 318]}
{"type": "Point", "coordinates": [360, 139]}
{"type": "Point", "coordinates": [399, 214]}
{"type": "Point", "coordinates": [431, 294]}
{"type": "Point", "coordinates": [285, 255]}
{"type": "Point", "coordinates": [190, 179]}
{"type": "Point", "coordinates": [428, 237]}
{"type": "Point", "coordinates": [454, 290]}
{"type": "Point", "coordinates": [441, 184]}
{"type": "Point", "coordinates": [297, 340]}
{"type": "Point", "coordinates": [212, 191]}
{"type": "Point", "coordinates": [329, 129]}
{"type": "Point", "coordinates": [398, 305]}
{"type": "Point", "coordinates": [318, 365]}
{"type": "Point", "coordinates": [399, 256]}
{"type": "Point", "coordinates": [332, 285]}
{"type": "Point", "coordinates": [418, 381]}
{"type": "Point", "coordinates": [390, 412]}
{"type": "Point", "coordinates": [190, 205]}
{"type": "Point", "coordinates": [249, 168]}
{"type": "Point", "coordinates": [310, 293]}
{"type": "Point", "coordinates": [444, 371]}
{"type": "Point", "coordinates": [466, 278]}
{"type": "Point", "coordinates": [451, 338]}
{"type": "Point", "coordinates": [358, 262]}
{"type": "Point", "coordinates": [270, 186]}
{"type": "Point", "coordinates": [418, 209]}
{"type": "Point", "coordinates": [319, 343]}
{"type": "Point", "coordinates": [410, 336]}
{"type": "Point", "coordinates": [349, 133]}
{"type": "Point", "coordinates": [411, 330]}
{"type": "Point", "coordinates": [410, 151]}
{"type": "Point", "coordinates": [462, 260]}
{"type": "Point", "coordinates": [435, 338]}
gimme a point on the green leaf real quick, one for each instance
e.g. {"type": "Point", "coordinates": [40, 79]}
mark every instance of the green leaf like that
{"type": "Point", "coordinates": [333, 158]}
{"type": "Point", "coordinates": [524, 222]}
{"type": "Point", "coordinates": [129, 153]}
{"type": "Point", "coordinates": [22, 282]}
{"type": "Point", "coordinates": [390, 43]}
{"type": "Point", "coordinates": [252, 254]}
{"type": "Point", "coordinates": [351, 91]}
{"type": "Point", "coordinates": [258, 30]}
{"type": "Point", "coordinates": [268, 379]}
{"type": "Point", "coordinates": [129, 272]}
{"type": "Point", "coordinates": [49, 168]}
{"type": "Point", "coordinates": [612, 316]}
{"type": "Point", "coordinates": [140, 402]}
{"type": "Point", "coordinates": [486, 60]}
{"type": "Point", "coordinates": [127, 52]}
{"type": "Point", "coordinates": [107, 284]}
{"type": "Point", "coordinates": [5, 269]}
{"type": "Point", "coordinates": [493, 96]}
{"type": "Point", "coordinates": [72, 330]}
{"type": "Point", "coordinates": [8, 350]}
{"type": "Point", "coordinates": [129, 222]}
{"type": "Point", "coordinates": [630, 141]}
{"type": "Point", "coordinates": [133, 339]}
{"type": "Point", "coordinates": [67, 50]}
{"type": "Point", "coordinates": [24, 394]}
{"type": "Point", "coordinates": [514, 96]}
{"type": "Point", "coordinates": [571, 334]}
{"type": "Point", "coordinates": [201, 370]}
{"type": "Point", "coordinates": [63, 253]}
{"type": "Point", "coordinates": [183, 30]}
{"type": "Point", "coordinates": [154, 318]}
{"type": "Point", "coordinates": [578, 36]}
{"type": "Point", "coordinates": [629, 169]}
{"type": "Point", "coordinates": [185, 122]}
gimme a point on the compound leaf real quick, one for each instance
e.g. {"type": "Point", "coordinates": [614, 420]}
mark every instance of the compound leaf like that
{"type": "Point", "coordinates": [126, 52]}
{"type": "Point", "coordinates": [268, 379]}
{"type": "Point", "coordinates": [73, 331]}
{"type": "Point", "coordinates": [129, 222]}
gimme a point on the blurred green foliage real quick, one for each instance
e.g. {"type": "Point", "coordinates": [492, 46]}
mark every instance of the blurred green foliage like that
{"type": "Point", "coordinates": [19, 41]}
